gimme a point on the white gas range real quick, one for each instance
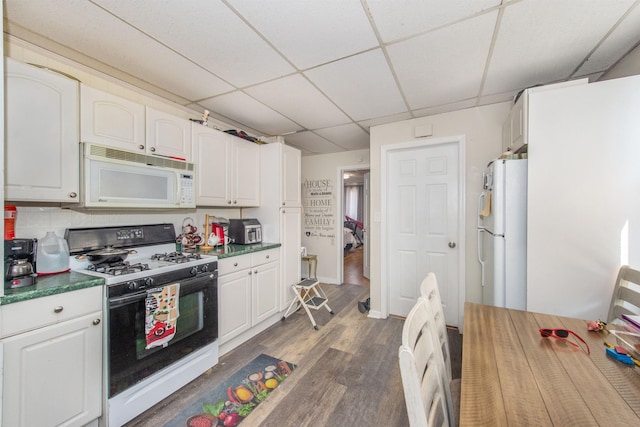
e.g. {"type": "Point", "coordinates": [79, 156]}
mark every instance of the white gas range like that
{"type": "Point", "coordinates": [141, 269]}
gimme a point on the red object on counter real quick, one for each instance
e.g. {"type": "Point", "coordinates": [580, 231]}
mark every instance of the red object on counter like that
{"type": "Point", "coordinates": [10, 214]}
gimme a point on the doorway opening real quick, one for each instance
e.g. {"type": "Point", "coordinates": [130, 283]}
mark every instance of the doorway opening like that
{"type": "Point", "coordinates": [355, 219]}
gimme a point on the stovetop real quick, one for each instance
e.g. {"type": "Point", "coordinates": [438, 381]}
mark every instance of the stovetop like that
{"type": "Point", "coordinates": [155, 253]}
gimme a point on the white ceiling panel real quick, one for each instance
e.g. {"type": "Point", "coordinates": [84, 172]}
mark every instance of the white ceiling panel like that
{"type": "Point", "coordinates": [244, 109]}
{"type": "Point", "coordinates": [543, 41]}
{"type": "Point", "coordinates": [350, 137]}
{"type": "Point", "coordinates": [423, 61]}
{"type": "Point", "coordinates": [287, 94]}
{"type": "Point", "coordinates": [215, 38]}
{"type": "Point", "coordinates": [362, 85]}
{"type": "Point", "coordinates": [399, 19]}
{"type": "Point", "coordinates": [311, 32]}
{"type": "Point", "coordinates": [328, 70]}
{"type": "Point", "coordinates": [311, 143]}
{"type": "Point", "coordinates": [619, 43]}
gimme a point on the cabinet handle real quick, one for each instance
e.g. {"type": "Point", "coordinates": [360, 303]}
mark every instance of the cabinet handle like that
{"type": "Point", "coordinates": [235, 202]}
{"type": "Point", "coordinates": [96, 322]}
{"type": "Point", "coordinates": [73, 195]}
{"type": "Point", "coordinates": [284, 203]}
{"type": "Point", "coordinates": [267, 256]}
{"type": "Point", "coordinates": [250, 272]}
{"type": "Point", "coordinates": [228, 202]}
{"type": "Point", "coordinates": [235, 264]}
{"type": "Point", "coordinates": [153, 149]}
{"type": "Point", "coordinates": [58, 309]}
{"type": "Point", "coordinates": [255, 271]}
{"type": "Point", "coordinates": [141, 147]}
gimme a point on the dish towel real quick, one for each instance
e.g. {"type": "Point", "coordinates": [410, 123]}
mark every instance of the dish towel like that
{"type": "Point", "coordinates": [486, 211]}
{"type": "Point", "coordinates": [162, 313]}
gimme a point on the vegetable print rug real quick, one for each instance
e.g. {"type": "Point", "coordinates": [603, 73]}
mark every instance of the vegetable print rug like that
{"type": "Point", "coordinates": [233, 400]}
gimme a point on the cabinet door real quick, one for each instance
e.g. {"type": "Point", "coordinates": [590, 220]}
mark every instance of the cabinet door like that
{"type": "Point", "coordinates": [110, 120]}
{"type": "Point", "coordinates": [212, 155]}
{"type": "Point", "coordinates": [291, 229]}
{"type": "Point", "coordinates": [266, 293]}
{"type": "Point", "coordinates": [41, 148]}
{"type": "Point", "coordinates": [168, 135]}
{"type": "Point", "coordinates": [517, 122]}
{"type": "Point", "coordinates": [506, 134]}
{"type": "Point", "coordinates": [52, 375]}
{"type": "Point", "coordinates": [291, 178]}
{"type": "Point", "coordinates": [246, 173]}
{"type": "Point", "coordinates": [234, 304]}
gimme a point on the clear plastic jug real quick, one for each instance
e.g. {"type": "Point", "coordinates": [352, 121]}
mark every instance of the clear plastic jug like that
{"type": "Point", "coordinates": [52, 255]}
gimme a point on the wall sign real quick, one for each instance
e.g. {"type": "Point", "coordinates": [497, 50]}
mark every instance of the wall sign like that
{"type": "Point", "coordinates": [319, 208]}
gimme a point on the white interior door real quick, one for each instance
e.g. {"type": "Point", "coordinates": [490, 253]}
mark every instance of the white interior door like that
{"type": "Point", "coordinates": [366, 268]}
{"type": "Point", "coordinates": [422, 225]}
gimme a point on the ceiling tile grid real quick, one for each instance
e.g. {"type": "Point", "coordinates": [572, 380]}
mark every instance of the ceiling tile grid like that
{"type": "Point", "coordinates": [323, 72]}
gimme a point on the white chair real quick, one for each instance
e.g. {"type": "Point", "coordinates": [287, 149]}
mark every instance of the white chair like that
{"type": "Point", "coordinates": [420, 370]}
{"type": "Point", "coordinates": [429, 291]}
{"type": "Point", "coordinates": [626, 294]}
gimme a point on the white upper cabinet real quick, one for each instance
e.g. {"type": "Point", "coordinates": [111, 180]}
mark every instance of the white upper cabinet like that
{"type": "Point", "coordinates": [168, 135]}
{"type": "Point", "coordinates": [107, 119]}
{"type": "Point", "coordinates": [113, 121]}
{"type": "Point", "coordinates": [228, 168]}
{"type": "Point", "coordinates": [291, 179]}
{"type": "Point", "coordinates": [41, 139]}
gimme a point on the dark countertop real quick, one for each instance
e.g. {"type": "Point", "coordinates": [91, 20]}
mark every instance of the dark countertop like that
{"type": "Point", "coordinates": [51, 285]}
{"type": "Point", "coordinates": [231, 250]}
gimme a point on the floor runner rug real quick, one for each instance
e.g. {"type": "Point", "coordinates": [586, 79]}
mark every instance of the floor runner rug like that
{"type": "Point", "coordinates": [234, 399]}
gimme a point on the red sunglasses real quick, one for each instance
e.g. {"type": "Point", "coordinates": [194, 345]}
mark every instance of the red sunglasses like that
{"type": "Point", "coordinates": [563, 334]}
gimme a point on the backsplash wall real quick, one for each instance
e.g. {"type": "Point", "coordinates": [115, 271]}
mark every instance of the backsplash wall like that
{"type": "Point", "coordinates": [35, 221]}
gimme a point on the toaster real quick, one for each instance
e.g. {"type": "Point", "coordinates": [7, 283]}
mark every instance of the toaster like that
{"type": "Point", "coordinates": [245, 231]}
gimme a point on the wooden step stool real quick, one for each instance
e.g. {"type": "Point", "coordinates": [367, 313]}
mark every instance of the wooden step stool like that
{"type": "Point", "coordinates": [309, 295]}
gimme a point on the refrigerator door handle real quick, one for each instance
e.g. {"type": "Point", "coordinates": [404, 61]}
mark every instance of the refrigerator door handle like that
{"type": "Point", "coordinates": [481, 199]}
{"type": "Point", "coordinates": [480, 253]}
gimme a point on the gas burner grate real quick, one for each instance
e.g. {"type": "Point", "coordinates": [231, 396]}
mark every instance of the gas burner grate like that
{"type": "Point", "coordinates": [118, 268]}
{"type": "Point", "coordinates": [176, 257]}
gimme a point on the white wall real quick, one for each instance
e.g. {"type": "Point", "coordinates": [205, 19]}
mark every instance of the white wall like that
{"type": "Point", "coordinates": [627, 66]}
{"type": "Point", "coordinates": [583, 204]}
{"type": "Point", "coordinates": [482, 128]}
{"type": "Point", "coordinates": [323, 172]}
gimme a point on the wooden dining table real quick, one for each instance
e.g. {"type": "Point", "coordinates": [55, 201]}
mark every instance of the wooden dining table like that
{"type": "Point", "coordinates": [511, 376]}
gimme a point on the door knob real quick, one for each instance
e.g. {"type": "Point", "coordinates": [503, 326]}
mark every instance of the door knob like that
{"type": "Point", "coordinates": [452, 245]}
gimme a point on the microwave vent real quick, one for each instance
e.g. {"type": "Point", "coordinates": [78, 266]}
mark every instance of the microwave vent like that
{"type": "Point", "coordinates": [129, 156]}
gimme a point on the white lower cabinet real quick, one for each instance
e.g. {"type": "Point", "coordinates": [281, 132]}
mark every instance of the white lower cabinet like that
{"type": "Point", "coordinates": [248, 292]}
{"type": "Point", "coordinates": [53, 374]}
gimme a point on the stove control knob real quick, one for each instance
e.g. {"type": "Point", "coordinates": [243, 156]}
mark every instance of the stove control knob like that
{"type": "Point", "coordinates": [194, 271]}
{"type": "Point", "coordinates": [132, 286]}
{"type": "Point", "coordinates": [148, 282]}
{"type": "Point", "coordinates": [204, 268]}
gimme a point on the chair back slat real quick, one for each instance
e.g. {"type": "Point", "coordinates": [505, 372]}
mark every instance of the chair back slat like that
{"type": "Point", "coordinates": [626, 294]}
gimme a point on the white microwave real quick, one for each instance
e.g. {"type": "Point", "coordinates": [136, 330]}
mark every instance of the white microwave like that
{"type": "Point", "coordinates": [114, 178]}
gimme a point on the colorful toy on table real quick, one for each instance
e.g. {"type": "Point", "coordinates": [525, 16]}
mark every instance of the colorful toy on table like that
{"type": "Point", "coordinates": [620, 354]}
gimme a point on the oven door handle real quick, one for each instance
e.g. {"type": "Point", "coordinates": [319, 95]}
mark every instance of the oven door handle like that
{"type": "Point", "coordinates": [186, 287]}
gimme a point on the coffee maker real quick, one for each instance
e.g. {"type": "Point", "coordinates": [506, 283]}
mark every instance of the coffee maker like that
{"type": "Point", "coordinates": [19, 263]}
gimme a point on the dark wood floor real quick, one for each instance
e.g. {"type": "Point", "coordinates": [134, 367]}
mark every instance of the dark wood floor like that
{"type": "Point", "coordinates": [353, 268]}
{"type": "Point", "coordinates": [347, 373]}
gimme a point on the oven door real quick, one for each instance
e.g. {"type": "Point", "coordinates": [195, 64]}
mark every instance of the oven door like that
{"type": "Point", "coordinates": [197, 325]}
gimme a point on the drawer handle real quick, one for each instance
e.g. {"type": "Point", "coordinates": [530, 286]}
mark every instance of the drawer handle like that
{"type": "Point", "coordinates": [255, 271]}
{"type": "Point", "coordinates": [267, 256]}
{"type": "Point", "coordinates": [96, 322]}
{"type": "Point", "coordinates": [235, 264]}
{"type": "Point", "coordinates": [58, 309]}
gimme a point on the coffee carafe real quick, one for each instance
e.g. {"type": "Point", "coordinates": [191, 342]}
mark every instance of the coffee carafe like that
{"type": "Point", "coordinates": [19, 263]}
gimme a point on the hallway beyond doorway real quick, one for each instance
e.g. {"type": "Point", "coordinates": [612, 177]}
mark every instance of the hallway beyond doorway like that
{"type": "Point", "coordinates": [353, 268]}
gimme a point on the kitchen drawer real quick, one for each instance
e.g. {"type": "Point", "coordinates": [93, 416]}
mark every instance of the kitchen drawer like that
{"type": "Point", "coordinates": [263, 257]}
{"type": "Point", "coordinates": [36, 313]}
{"type": "Point", "coordinates": [233, 264]}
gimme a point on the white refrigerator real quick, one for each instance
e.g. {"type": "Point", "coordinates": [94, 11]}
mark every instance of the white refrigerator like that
{"type": "Point", "coordinates": [502, 234]}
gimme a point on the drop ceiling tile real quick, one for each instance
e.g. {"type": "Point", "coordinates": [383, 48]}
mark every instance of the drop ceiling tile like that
{"type": "Point", "coordinates": [144, 57]}
{"type": "Point", "coordinates": [349, 137]}
{"type": "Point", "coordinates": [310, 33]}
{"type": "Point", "coordinates": [384, 120]}
{"type": "Point", "coordinates": [296, 98]}
{"type": "Point", "coordinates": [311, 143]}
{"type": "Point", "coordinates": [244, 109]}
{"type": "Point", "coordinates": [469, 103]}
{"type": "Point", "coordinates": [542, 41]}
{"type": "Point", "coordinates": [623, 39]}
{"type": "Point", "coordinates": [362, 85]}
{"type": "Point", "coordinates": [396, 20]}
{"type": "Point", "coordinates": [445, 65]}
{"type": "Point", "coordinates": [209, 34]}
